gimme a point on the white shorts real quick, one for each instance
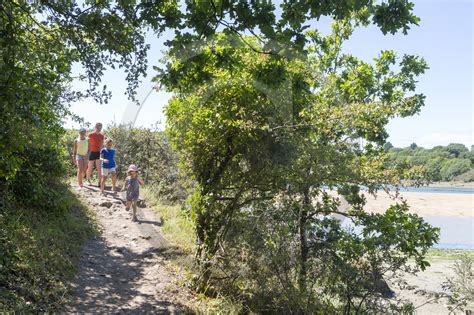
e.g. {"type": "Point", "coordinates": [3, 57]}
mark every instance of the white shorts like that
{"type": "Point", "coordinates": [107, 171]}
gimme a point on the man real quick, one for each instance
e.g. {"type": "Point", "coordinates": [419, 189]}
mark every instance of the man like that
{"type": "Point", "coordinates": [96, 141]}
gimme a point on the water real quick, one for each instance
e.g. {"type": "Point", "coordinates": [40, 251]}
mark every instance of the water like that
{"type": "Point", "coordinates": [456, 232]}
{"type": "Point", "coordinates": [440, 190]}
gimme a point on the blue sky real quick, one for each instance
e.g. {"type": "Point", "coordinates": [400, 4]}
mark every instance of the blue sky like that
{"type": "Point", "coordinates": [444, 38]}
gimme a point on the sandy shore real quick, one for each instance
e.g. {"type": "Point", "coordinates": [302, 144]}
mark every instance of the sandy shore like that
{"type": "Point", "coordinates": [427, 204]}
{"type": "Point", "coordinates": [423, 287]}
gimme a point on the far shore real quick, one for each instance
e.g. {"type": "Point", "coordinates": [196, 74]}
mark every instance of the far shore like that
{"type": "Point", "coordinates": [426, 203]}
{"type": "Point", "coordinates": [452, 184]}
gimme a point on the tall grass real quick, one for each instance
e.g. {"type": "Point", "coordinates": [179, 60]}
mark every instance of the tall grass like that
{"type": "Point", "coordinates": [179, 231]}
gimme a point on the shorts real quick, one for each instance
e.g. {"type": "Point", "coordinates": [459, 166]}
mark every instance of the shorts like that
{"type": "Point", "coordinates": [107, 171]}
{"type": "Point", "coordinates": [81, 157]}
{"type": "Point", "coordinates": [94, 155]}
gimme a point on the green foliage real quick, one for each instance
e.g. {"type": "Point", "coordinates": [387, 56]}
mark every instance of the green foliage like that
{"type": "Point", "coordinates": [460, 288]}
{"type": "Point", "coordinates": [38, 251]}
{"type": "Point", "coordinates": [456, 149]}
{"type": "Point", "coordinates": [454, 167]}
{"type": "Point", "coordinates": [150, 151]}
{"type": "Point", "coordinates": [466, 177]}
{"type": "Point", "coordinates": [442, 163]}
{"type": "Point", "coordinates": [255, 120]}
{"type": "Point", "coordinates": [262, 149]}
{"type": "Point", "coordinates": [39, 43]}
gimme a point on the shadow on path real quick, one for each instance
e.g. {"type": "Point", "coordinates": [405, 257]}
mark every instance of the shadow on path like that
{"type": "Point", "coordinates": [124, 270]}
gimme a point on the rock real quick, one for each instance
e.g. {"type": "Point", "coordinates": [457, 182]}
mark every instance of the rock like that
{"type": "Point", "coordinates": [118, 202]}
{"type": "Point", "coordinates": [106, 204]}
{"type": "Point", "coordinates": [124, 226]}
{"type": "Point", "coordinates": [145, 237]}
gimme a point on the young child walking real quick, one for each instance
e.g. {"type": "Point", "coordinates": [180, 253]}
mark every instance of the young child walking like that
{"type": "Point", "coordinates": [80, 155]}
{"type": "Point", "coordinates": [132, 186]}
{"type": "Point", "coordinates": [107, 156]}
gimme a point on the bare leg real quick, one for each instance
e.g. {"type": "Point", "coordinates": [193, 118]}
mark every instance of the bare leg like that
{"type": "Point", "coordinates": [102, 184]}
{"type": "Point", "coordinates": [114, 180]}
{"type": "Point", "coordinates": [90, 167]}
{"type": "Point", "coordinates": [134, 206]}
{"type": "Point", "coordinates": [99, 170]}
{"type": "Point", "coordinates": [80, 171]}
{"type": "Point", "coordinates": [84, 171]}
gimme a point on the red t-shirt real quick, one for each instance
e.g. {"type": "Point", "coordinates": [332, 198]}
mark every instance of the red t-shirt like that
{"type": "Point", "coordinates": [95, 141]}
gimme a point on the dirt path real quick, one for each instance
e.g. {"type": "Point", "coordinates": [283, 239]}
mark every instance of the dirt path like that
{"type": "Point", "coordinates": [125, 269]}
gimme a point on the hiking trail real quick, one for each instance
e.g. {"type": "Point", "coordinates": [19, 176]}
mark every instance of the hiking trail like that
{"type": "Point", "coordinates": [126, 268]}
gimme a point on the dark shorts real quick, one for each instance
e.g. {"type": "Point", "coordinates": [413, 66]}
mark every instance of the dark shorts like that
{"type": "Point", "coordinates": [94, 156]}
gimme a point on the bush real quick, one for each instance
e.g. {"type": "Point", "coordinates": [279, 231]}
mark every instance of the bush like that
{"type": "Point", "coordinates": [460, 288]}
{"type": "Point", "coordinates": [466, 177]}
{"type": "Point", "coordinates": [443, 163]}
{"type": "Point", "coordinates": [454, 167]}
{"type": "Point", "coordinates": [151, 152]}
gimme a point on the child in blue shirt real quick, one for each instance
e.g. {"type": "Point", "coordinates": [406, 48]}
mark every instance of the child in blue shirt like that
{"type": "Point", "coordinates": [107, 155]}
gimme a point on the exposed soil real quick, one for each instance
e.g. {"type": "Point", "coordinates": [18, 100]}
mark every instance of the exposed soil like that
{"type": "Point", "coordinates": [126, 269]}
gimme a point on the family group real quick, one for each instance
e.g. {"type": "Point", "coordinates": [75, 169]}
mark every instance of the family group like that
{"type": "Point", "coordinates": [96, 150]}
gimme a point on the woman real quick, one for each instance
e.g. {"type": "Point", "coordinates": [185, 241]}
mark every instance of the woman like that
{"type": "Point", "coordinates": [80, 155]}
{"type": "Point", "coordinates": [96, 140]}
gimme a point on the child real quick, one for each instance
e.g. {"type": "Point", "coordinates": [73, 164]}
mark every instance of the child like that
{"type": "Point", "coordinates": [132, 185]}
{"type": "Point", "coordinates": [80, 155]}
{"type": "Point", "coordinates": [108, 164]}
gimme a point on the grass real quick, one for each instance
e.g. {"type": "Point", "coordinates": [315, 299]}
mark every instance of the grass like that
{"type": "Point", "coordinates": [175, 226]}
{"type": "Point", "coordinates": [448, 254]}
{"type": "Point", "coordinates": [39, 250]}
{"type": "Point", "coordinates": [179, 230]}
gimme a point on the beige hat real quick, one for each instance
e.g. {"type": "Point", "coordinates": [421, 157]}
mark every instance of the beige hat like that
{"type": "Point", "coordinates": [132, 168]}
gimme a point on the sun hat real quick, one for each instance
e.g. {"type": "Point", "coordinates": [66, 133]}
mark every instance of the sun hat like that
{"type": "Point", "coordinates": [82, 129]}
{"type": "Point", "coordinates": [132, 168]}
{"type": "Point", "coordinates": [108, 140]}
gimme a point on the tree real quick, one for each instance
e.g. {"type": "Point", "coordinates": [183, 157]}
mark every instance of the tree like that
{"type": "Point", "coordinates": [387, 146]}
{"type": "Point", "coordinates": [264, 134]}
{"type": "Point", "coordinates": [454, 167]}
{"type": "Point", "coordinates": [413, 146]}
{"type": "Point", "coordinates": [455, 149]}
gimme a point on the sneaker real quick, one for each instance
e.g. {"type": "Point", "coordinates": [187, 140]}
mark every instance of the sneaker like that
{"type": "Point", "coordinates": [134, 219]}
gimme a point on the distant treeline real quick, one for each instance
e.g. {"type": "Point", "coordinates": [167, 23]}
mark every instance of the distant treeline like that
{"type": "Point", "coordinates": [454, 162]}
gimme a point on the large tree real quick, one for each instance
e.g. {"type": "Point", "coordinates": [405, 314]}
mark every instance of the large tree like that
{"type": "Point", "coordinates": [272, 136]}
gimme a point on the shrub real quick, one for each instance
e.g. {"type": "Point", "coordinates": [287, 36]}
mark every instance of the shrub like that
{"type": "Point", "coordinates": [454, 167]}
{"type": "Point", "coordinates": [151, 152]}
{"type": "Point", "coordinates": [466, 177]}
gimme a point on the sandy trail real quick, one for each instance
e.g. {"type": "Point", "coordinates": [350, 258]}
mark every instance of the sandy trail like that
{"type": "Point", "coordinates": [125, 269]}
